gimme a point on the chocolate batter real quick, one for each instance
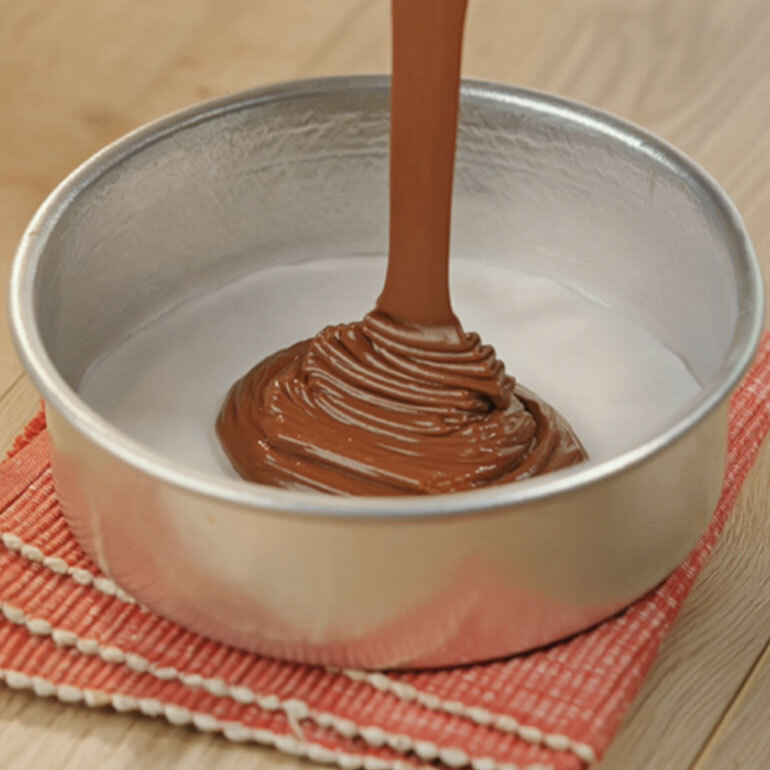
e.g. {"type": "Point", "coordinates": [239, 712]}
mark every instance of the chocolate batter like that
{"type": "Point", "coordinates": [405, 401]}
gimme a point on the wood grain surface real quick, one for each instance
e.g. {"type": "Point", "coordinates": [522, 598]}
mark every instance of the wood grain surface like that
{"type": "Point", "coordinates": [75, 75]}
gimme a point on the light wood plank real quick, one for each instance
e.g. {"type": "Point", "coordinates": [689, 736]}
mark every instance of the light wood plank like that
{"type": "Point", "coordinates": [17, 407]}
{"type": "Point", "coordinates": [10, 368]}
{"type": "Point", "coordinates": [743, 738]}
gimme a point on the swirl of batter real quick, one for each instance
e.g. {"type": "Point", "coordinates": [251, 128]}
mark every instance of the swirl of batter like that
{"type": "Point", "coordinates": [403, 402]}
{"type": "Point", "coordinates": [380, 407]}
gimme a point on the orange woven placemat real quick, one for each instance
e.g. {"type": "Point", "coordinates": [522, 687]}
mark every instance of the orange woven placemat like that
{"type": "Point", "coordinates": [68, 631]}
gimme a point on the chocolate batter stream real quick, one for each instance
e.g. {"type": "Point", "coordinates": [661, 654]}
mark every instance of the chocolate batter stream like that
{"type": "Point", "coordinates": [405, 401]}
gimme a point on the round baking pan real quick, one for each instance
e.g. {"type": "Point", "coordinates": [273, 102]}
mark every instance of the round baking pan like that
{"type": "Point", "coordinates": [297, 172]}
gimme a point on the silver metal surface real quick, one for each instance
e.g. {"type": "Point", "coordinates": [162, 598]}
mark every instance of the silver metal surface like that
{"type": "Point", "coordinates": [272, 176]}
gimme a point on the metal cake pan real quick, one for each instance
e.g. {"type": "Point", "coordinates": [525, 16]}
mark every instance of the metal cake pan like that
{"type": "Point", "coordinates": [299, 171]}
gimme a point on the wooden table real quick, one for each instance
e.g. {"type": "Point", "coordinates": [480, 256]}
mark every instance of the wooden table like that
{"type": "Point", "coordinates": [76, 74]}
